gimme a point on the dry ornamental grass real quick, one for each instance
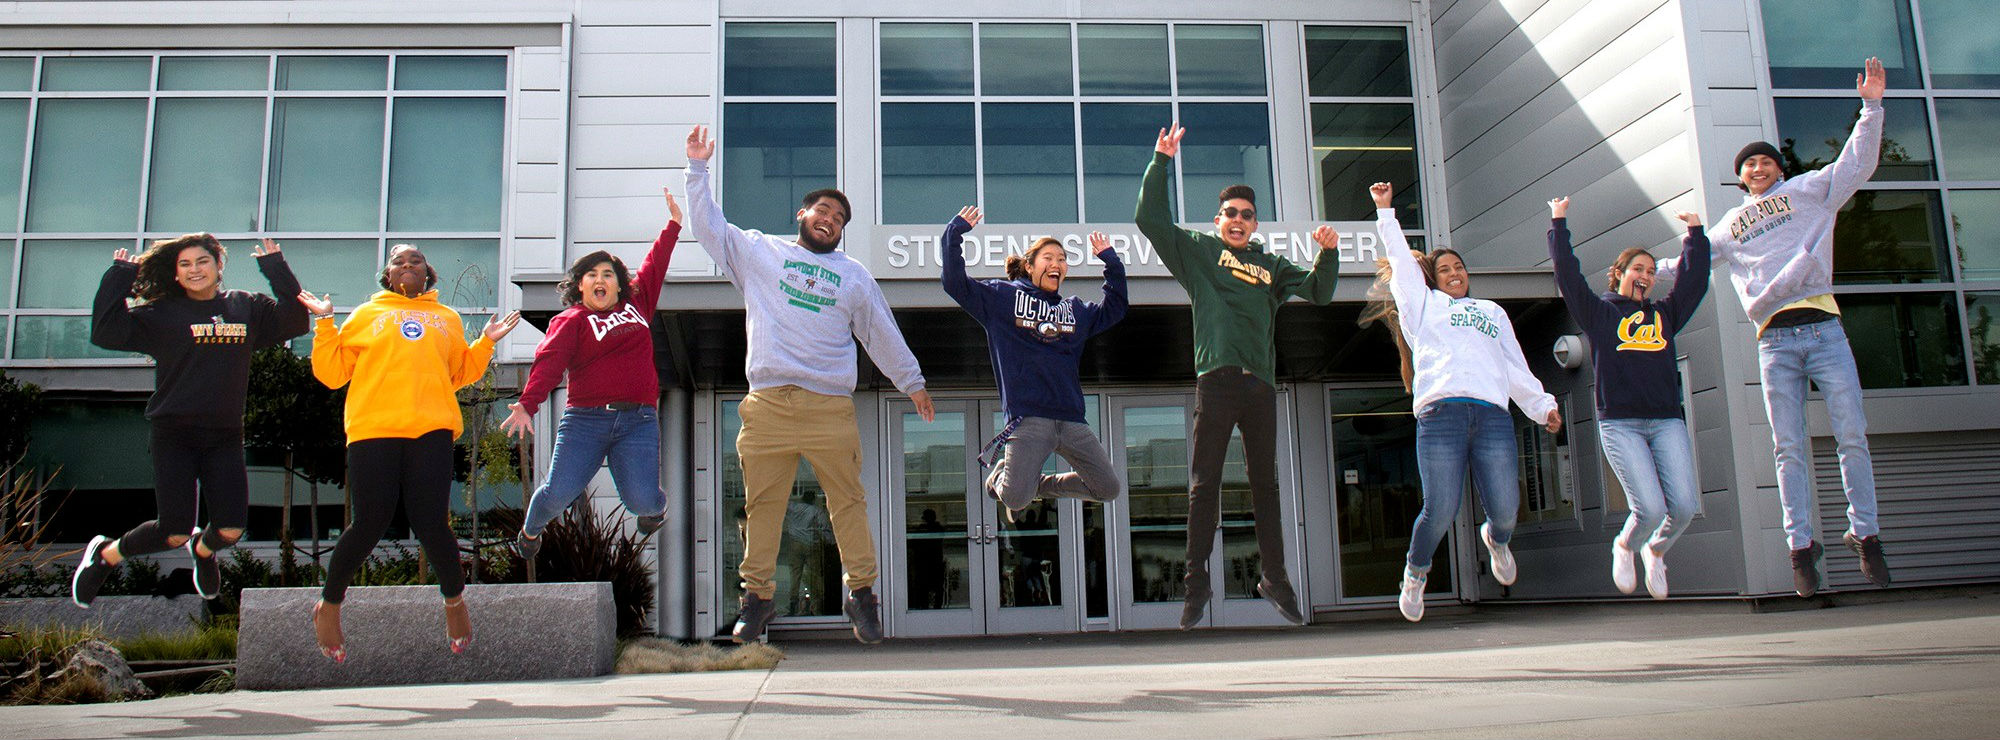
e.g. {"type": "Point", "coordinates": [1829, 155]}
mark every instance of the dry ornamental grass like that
{"type": "Point", "coordinates": [655, 655]}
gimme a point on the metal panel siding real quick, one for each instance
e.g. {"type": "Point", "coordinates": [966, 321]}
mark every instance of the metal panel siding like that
{"type": "Point", "coordinates": [1938, 497]}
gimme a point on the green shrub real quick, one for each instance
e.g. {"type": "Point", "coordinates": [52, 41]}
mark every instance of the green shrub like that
{"type": "Point", "coordinates": [581, 547]}
{"type": "Point", "coordinates": [214, 640]}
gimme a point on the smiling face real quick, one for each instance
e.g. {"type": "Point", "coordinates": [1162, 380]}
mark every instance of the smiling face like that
{"type": "Point", "coordinates": [821, 223]}
{"type": "Point", "coordinates": [197, 272]}
{"type": "Point", "coordinates": [408, 272]}
{"type": "Point", "coordinates": [1449, 271]}
{"type": "Point", "coordinates": [599, 286]}
{"type": "Point", "coordinates": [1236, 229]}
{"type": "Point", "coordinates": [1635, 281]}
{"type": "Point", "coordinates": [1759, 173]}
{"type": "Point", "coordinates": [1050, 266]}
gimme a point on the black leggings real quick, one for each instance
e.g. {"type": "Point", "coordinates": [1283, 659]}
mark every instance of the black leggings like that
{"type": "Point", "coordinates": [381, 473]}
{"type": "Point", "coordinates": [187, 459]}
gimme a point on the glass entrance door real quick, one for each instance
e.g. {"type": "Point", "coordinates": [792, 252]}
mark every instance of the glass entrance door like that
{"type": "Point", "coordinates": [1377, 494]}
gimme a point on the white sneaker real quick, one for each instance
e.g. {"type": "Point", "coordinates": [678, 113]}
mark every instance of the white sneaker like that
{"type": "Point", "coordinates": [1412, 601]}
{"type": "Point", "coordinates": [1622, 574]}
{"type": "Point", "coordinates": [1656, 572]}
{"type": "Point", "coordinates": [1502, 556]}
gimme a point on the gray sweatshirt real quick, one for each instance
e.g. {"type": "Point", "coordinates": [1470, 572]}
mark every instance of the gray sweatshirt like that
{"type": "Point", "coordinates": [805, 309]}
{"type": "Point", "coordinates": [1779, 245]}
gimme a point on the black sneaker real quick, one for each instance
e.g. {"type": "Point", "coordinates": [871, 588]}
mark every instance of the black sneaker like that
{"type": "Point", "coordinates": [753, 615]}
{"type": "Point", "coordinates": [1281, 595]}
{"type": "Point", "coordinates": [1805, 569]}
{"type": "Point", "coordinates": [650, 524]}
{"type": "Point", "coordinates": [207, 573]}
{"type": "Point", "coordinates": [865, 611]}
{"type": "Point", "coordinates": [90, 572]}
{"type": "Point", "coordinates": [1873, 566]}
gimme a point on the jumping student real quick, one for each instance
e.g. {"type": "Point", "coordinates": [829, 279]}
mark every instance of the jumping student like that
{"type": "Point", "coordinates": [1036, 336]}
{"type": "Point", "coordinates": [201, 338]}
{"type": "Point", "coordinates": [1778, 246]}
{"type": "Point", "coordinates": [604, 341]}
{"type": "Point", "coordinates": [1234, 288]}
{"type": "Point", "coordinates": [1466, 365]}
{"type": "Point", "coordinates": [403, 357]}
{"type": "Point", "coordinates": [805, 304]}
{"type": "Point", "coordinates": [1639, 413]}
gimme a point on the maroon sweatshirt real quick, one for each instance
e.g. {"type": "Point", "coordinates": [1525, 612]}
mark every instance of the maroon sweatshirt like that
{"type": "Point", "coordinates": [608, 354]}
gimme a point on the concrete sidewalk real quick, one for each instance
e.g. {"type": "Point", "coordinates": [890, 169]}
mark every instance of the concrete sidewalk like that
{"type": "Point", "coordinates": [1916, 668]}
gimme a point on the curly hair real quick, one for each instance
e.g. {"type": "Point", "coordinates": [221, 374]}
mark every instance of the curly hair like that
{"type": "Point", "coordinates": [571, 288]}
{"type": "Point", "coordinates": [1625, 260]}
{"type": "Point", "coordinates": [430, 273]}
{"type": "Point", "coordinates": [1018, 264]}
{"type": "Point", "coordinates": [157, 265]}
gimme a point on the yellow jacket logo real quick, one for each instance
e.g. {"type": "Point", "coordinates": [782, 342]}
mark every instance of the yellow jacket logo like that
{"type": "Point", "coordinates": [1636, 335]}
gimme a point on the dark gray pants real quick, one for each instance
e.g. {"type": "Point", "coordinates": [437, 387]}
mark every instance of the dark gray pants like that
{"type": "Point", "coordinates": [1227, 398]}
{"type": "Point", "coordinates": [1018, 475]}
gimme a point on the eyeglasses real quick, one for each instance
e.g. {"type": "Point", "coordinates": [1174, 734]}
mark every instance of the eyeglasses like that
{"type": "Point", "coordinates": [1248, 214]}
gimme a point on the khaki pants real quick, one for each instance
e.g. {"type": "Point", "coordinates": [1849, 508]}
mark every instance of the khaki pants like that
{"type": "Point", "coordinates": [779, 425]}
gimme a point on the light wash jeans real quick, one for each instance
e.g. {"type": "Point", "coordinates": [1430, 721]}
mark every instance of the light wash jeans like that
{"type": "Point", "coordinates": [585, 439]}
{"type": "Point", "coordinates": [1454, 439]}
{"type": "Point", "coordinates": [1655, 463]}
{"type": "Point", "coordinates": [1788, 357]}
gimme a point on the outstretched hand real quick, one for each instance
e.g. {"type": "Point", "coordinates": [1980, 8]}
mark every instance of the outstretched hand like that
{"type": "Point", "coordinates": [1327, 237]}
{"type": "Point", "coordinates": [1559, 207]}
{"type": "Point", "coordinates": [1169, 142]}
{"type": "Point", "coordinates": [517, 424]}
{"type": "Point", "coordinates": [699, 146]}
{"type": "Point", "coordinates": [1872, 80]}
{"type": "Point", "coordinates": [673, 206]}
{"type": "Point", "coordinates": [121, 255]}
{"type": "Point", "coordinates": [1099, 243]}
{"type": "Point", "coordinates": [1692, 219]}
{"type": "Point", "coordinates": [317, 306]}
{"type": "Point", "coordinates": [1383, 193]}
{"type": "Point", "coordinates": [267, 246]}
{"type": "Point", "coordinates": [498, 326]}
{"type": "Point", "coordinates": [971, 215]}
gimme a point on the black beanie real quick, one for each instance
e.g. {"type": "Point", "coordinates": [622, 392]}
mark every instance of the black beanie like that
{"type": "Point", "coordinates": [1753, 149]}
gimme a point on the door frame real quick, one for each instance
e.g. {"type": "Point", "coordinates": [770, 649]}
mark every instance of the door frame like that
{"type": "Point", "coordinates": [1460, 528]}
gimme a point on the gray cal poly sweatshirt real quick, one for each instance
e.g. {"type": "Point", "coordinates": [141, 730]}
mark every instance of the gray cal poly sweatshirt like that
{"type": "Point", "coordinates": [805, 309]}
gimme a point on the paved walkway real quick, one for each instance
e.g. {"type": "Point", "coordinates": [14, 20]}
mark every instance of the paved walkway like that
{"type": "Point", "coordinates": [1928, 668]}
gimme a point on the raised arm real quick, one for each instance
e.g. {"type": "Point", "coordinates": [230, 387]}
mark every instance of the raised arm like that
{"type": "Point", "coordinates": [653, 271]}
{"type": "Point", "coordinates": [970, 294]}
{"type": "Point", "coordinates": [1406, 278]}
{"type": "Point", "coordinates": [1315, 285]}
{"type": "Point", "coordinates": [471, 362]}
{"type": "Point", "coordinates": [1116, 300]}
{"type": "Point", "coordinates": [727, 244]}
{"type": "Point", "coordinates": [1584, 305]}
{"type": "Point", "coordinates": [279, 318]}
{"type": "Point", "coordinates": [1838, 181]}
{"type": "Point", "coordinates": [1695, 253]}
{"type": "Point", "coordinates": [1155, 218]}
{"type": "Point", "coordinates": [332, 360]}
{"type": "Point", "coordinates": [112, 325]}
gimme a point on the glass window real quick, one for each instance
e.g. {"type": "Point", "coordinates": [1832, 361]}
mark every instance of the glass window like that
{"type": "Point", "coordinates": [1030, 153]}
{"type": "Point", "coordinates": [64, 273]}
{"type": "Point", "coordinates": [1357, 61]}
{"type": "Point", "coordinates": [444, 172]}
{"type": "Point", "coordinates": [1117, 145]}
{"type": "Point", "coordinates": [451, 73]}
{"type": "Point", "coordinates": [1122, 59]}
{"type": "Point", "coordinates": [1982, 310]}
{"type": "Point", "coordinates": [927, 161]}
{"type": "Point", "coordinates": [1024, 59]}
{"type": "Point", "coordinates": [86, 170]}
{"type": "Point", "coordinates": [1813, 130]}
{"type": "Point", "coordinates": [6, 277]}
{"type": "Point", "coordinates": [1965, 130]}
{"type": "Point", "coordinates": [333, 73]}
{"type": "Point", "coordinates": [344, 269]}
{"type": "Point", "coordinates": [1975, 227]}
{"type": "Point", "coordinates": [775, 153]}
{"type": "Point", "coordinates": [214, 73]}
{"type": "Point", "coordinates": [74, 435]}
{"type": "Point", "coordinates": [96, 73]}
{"type": "Point", "coordinates": [1220, 60]}
{"type": "Point", "coordinates": [926, 59]}
{"type": "Point", "coordinates": [206, 157]}
{"type": "Point", "coordinates": [1227, 144]}
{"type": "Point", "coordinates": [1960, 40]}
{"type": "Point", "coordinates": [1360, 144]}
{"type": "Point", "coordinates": [13, 148]}
{"type": "Point", "coordinates": [1905, 340]}
{"type": "Point", "coordinates": [59, 338]}
{"type": "Point", "coordinates": [778, 59]}
{"type": "Point", "coordinates": [1889, 236]}
{"type": "Point", "coordinates": [16, 73]}
{"type": "Point", "coordinates": [1809, 49]}
{"type": "Point", "coordinates": [326, 165]}
{"type": "Point", "coordinates": [468, 272]}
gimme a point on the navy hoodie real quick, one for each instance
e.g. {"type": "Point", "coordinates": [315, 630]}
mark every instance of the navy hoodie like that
{"type": "Point", "coordinates": [1036, 337]}
{"type": "Point", "coordinates": [1632, 343]}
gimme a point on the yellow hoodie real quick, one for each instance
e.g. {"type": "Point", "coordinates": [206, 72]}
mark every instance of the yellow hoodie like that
{"type": "Point", "coordinates": [405, 357]}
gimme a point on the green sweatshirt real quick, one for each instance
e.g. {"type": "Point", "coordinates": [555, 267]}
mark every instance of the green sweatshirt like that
{"type": "Point", "coordinates": [1235, 293]}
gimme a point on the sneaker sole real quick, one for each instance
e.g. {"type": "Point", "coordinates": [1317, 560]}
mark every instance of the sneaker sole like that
{"type": "Point", "coordinates": [89, 552]}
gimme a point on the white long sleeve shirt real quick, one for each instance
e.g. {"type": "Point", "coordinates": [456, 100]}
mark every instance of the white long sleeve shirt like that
{"type": "Point", "coordinates": [1459, 347]}
{"type": "Point", "coordinates": [805, 309]}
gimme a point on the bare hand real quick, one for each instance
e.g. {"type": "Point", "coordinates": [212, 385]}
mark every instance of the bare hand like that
{"type": "Point", "coordinates": [1692, 219]}
{"type": "Point", "coordinates": [266, 247]}
{"type": "Point", "coordinates": [1327, 237]}
{"type": "Point", "coordinates": [1170, 141]}
{"type": "Point", "coordinates": [1382, 192]}
{"type": "Point", "coordinates": [1559, 207]}
{"type": "Point", "coordinates": [517, 424]}
{"type": "Point", "coordinates": [971, 215]}
{"type": "Point", "coordinates": [699, 146]}
{"type": "Point", "coordinates": [1099, 243]}
{"type": "Point", "coordinates": [1555, 422]}
{"type": "Point", "coordinates": [498, 326]}
{"type": "Point", "coordinates": [673, 207]}
{"type": "Point", "coordinates": [1872, 80]}
{"type": "Point", "coordinates": [924, 408]}
{"type": "Point", "coordinates": [122, 255]}
{"type": "Point", "coordinates": [320, 306]}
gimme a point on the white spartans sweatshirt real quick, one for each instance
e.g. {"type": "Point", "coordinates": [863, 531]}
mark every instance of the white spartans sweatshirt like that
{"type": "Point", "coordinates": [1459, 347]}
{"type": "Point", "coordinates": [804, 308]}
{"type": "Point", "coordinates": [1779, 246]}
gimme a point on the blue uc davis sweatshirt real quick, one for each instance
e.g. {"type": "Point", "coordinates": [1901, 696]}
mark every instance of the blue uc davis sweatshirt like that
{"type": "Point", "coordinates": [1036, 337]}
{"type": "Point", "coordinates": [1632, 343]}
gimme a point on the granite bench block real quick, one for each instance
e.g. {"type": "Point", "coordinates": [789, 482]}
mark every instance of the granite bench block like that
{"type": "Point", "coordinates": [395, 635]}
{"type": "Point", "coordinates": [117, 617]}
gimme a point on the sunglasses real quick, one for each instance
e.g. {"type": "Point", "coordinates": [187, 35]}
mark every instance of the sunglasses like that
{"type": "Point", "coordinates": [1248, 214]}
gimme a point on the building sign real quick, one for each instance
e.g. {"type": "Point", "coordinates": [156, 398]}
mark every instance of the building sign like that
{"type": "Point", "coordinates": [910, 252]}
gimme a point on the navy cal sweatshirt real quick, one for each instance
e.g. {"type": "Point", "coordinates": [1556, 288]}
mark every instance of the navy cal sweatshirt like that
{"type": "Point", "coordinates": [1632, 343]}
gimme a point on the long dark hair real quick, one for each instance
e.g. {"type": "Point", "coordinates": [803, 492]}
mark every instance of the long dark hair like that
{"type": "Point", "coordinates": [1018, 264]}
{"type": "Point", "coordinates": [1625, 260]}
{"type": "Point", "coordinates": [156, 266]}
{"type": "Point", "coordinates": [1382, 305]}
{"type": "Point", "coordinates": [571, 289]}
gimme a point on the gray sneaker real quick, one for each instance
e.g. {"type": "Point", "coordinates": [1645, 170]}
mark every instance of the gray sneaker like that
{"type": "Point", "coordinates": [650, 524]}
{"type": "Point", "coordinates": [865, 611]}
{"type": "Point", "coordinates": [753, 616]}
{"type": "Point", "coordinates": [1281, 595]}
{"type": "Point", "coordinates": [1805, 569]}
{"type": "Point", "coordinates": [1873, 566]}
{"type": "Point", "coordinates": [1195, 605]}
{"type": "Point", "coordinates": [528, 547]}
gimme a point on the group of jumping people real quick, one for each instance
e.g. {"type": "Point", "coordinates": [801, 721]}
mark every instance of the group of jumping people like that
{"type": "Point", "coordinates": [402, 354]}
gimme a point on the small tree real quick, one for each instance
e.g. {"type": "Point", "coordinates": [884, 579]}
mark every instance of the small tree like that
{"type": "Point", "coordinates": [290, 411]}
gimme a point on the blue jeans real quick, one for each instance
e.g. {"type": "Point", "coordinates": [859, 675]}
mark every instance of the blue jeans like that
{"type": "Point", "coordinates": [1453, 439]}
{"type": "Point", "coordinates": [1655, 462]}
{"type": "Point", "coordinates": [1787, 358]}
{"type": "Point", "coordinates": [585, 438]}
